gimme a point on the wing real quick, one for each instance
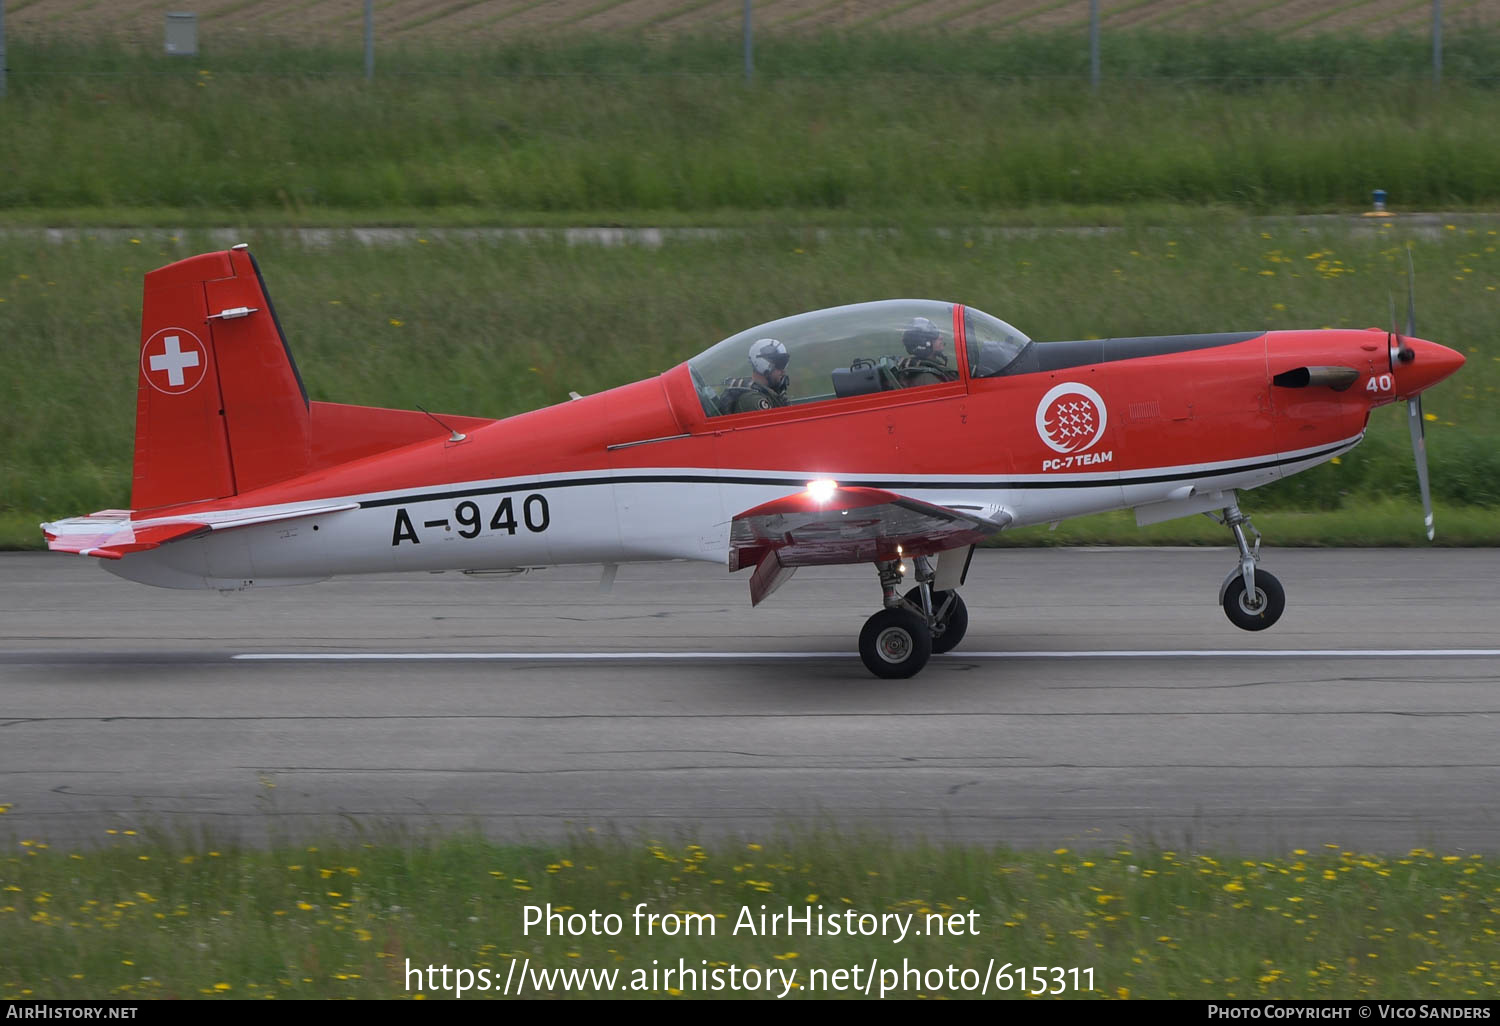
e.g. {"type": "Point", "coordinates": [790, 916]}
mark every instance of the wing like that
{"type": "Point", "coordinates": [848, 525]}
{"type": "Point", "coordinates": [112, 534]}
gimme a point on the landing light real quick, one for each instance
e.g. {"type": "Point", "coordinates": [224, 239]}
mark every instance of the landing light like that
{"type": "Point", "coordinates": [822, 489]}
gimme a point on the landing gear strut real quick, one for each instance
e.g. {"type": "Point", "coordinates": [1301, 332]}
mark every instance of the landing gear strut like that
{"type": "Point", "coordinates": [1252, 598]}
{"type": "Point", "coordinates": [897, 641]}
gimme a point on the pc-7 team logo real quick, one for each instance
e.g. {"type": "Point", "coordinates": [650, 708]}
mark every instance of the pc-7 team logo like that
{"type": "Point", "coordinates": [1071, 417]}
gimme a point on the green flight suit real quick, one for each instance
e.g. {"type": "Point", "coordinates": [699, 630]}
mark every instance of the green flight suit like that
{"type": "Point", "coordinates": [745, 395]}
{"type": "Point", "coordinates": [917, 370]}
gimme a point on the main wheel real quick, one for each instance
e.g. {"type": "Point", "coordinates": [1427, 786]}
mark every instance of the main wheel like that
{"type": "Point", "coordinates": [1252, 613]}
{"type": "Point", "coordinates": [895, 643]}
{"type": "Point", "coordinates": [952, 618]}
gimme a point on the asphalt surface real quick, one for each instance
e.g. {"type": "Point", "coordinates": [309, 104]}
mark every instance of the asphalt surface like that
{"type": "Point", "coordinates": [669, 708]}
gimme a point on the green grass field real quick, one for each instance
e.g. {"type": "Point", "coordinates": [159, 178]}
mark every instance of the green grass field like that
{"type": "Point", "coordinates": [493, 329]}
{"type": "Point", "coordinates": [145, 920]}
{"type": "Point", "coordinates": [899, 131]}
{"type": "Point", "coordinates": [886, 128]}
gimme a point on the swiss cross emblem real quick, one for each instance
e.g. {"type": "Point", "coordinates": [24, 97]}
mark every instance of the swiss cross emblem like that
{"type": "Point", "coordinates": [1071, 417]}
{"type": "Point", "coordinates": [174, 361]}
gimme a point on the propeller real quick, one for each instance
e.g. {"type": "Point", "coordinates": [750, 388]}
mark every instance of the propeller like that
{"type": "Point", "coordinates": [1404, 354]}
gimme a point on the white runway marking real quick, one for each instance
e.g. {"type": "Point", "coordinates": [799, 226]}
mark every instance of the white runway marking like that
{"type": "Point", "coordinates": [1185, 653]}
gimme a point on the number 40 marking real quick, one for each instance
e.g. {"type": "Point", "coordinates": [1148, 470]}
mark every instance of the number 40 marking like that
{"type": "Point", "coordinates": [1379, 383]}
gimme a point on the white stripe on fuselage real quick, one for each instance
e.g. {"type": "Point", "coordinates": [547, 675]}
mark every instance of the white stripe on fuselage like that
{"type": "Point", "coordinates": [615, 516]}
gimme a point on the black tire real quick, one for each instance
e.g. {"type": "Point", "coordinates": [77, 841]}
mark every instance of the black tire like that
{"type": "Point", "coordinates": [1262, 614]}
{"type": "Point", "coordinates": [895, 644]}
{"type": "Point", "coordinates": [953, 622]}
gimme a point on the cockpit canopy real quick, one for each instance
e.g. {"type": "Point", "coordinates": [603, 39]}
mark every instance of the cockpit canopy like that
{"type": "Point", "coordinates": [853, 350]}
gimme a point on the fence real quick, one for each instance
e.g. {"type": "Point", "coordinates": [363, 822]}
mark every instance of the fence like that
{"type": "Point", "coordinates": [507, 19]}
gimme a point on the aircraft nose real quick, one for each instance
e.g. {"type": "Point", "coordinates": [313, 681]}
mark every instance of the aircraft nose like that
{"type": "Point", "coordinates": [1429, 364]}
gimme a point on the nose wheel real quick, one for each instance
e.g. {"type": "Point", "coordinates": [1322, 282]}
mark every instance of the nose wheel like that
{"type": "Point", "coordinates": [1252, 610]}
{"type": "Point", "coordinates": [1252, 598]}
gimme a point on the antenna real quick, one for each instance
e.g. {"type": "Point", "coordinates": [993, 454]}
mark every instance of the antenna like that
{"type": "Point", "coordinates": [454, 435]}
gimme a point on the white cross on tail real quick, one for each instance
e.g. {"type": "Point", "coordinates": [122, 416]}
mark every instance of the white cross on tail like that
{"type": "Point", "coordinates": [174, 360]}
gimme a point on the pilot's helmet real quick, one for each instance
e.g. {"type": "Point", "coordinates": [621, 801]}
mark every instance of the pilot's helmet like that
{"type": "Point", "coordinates": [766, 354]}
{"type": "Point", "coordinates": [919, 336]}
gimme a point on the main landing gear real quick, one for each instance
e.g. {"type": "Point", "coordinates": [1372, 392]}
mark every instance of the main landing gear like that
{"type": "Point", "coordinates": [1252, 598]}
{"type": "Point", "coordinates": [897, 641]}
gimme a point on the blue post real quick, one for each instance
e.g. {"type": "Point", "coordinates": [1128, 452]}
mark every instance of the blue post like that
{"type": "Point", "coordinates": [1437, 42]}
{"type": "Point", "coordinates": [749, 45]}
{"type": "Point", "coordinates": [1094, 44]}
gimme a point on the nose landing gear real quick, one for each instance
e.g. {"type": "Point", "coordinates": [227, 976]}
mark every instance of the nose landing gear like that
{"type": "Point", "coordinates": [897, 641]}
{"type": "Point", "coordinates": [1252, 598]}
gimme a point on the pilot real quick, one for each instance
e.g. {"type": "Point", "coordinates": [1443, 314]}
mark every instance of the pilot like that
{"type": "Point", "coordinates": [766, 387]}
{"type": "Point", "coordinates": [926, 363]}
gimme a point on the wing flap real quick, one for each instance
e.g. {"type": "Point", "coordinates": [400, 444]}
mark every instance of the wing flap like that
{"type": "Point", "coordinates": [854, 525]}
{"type": "Point", "coordinates": [112, 534]}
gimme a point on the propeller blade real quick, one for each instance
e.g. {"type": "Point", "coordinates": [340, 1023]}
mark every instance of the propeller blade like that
{"type": "Point", "coordinates": [1411, 295]}
{"type": "Point", "coordinates": [1419, 451]}
{"type": "Point", "coordinates": [1393, 339]}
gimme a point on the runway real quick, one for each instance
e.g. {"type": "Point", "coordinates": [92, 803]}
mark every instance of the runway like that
{"type": "Point", "coordinates": [1100, 698]}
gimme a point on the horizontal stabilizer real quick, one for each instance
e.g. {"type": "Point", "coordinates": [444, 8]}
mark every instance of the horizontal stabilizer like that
{"type": "Point", "coordinates": [111, 534]}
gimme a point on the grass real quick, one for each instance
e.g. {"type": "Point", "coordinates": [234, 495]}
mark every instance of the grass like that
{"type": "Point", "coordinates": [339, 919]}
{"type": "Point", "coordinates": [565, 131]}
{"type": "Point", "coordinates": [1363, 522]}
{"type": "Point", "coordinates": [496, 328]}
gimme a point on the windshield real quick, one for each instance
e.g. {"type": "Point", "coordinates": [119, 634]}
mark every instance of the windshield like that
{"type": "Point", "coordinates": [993, 345]}
{"type": "Point", "coordinates": [838, 352]}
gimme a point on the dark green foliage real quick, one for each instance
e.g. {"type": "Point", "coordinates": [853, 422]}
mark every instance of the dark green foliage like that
{"type": "Point", "coordinates": [881, 126]}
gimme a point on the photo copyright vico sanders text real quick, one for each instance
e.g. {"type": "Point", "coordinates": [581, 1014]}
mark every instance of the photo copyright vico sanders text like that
{"type": "Point", "coordinates": [522, 975]}
{"type": "Point", "coordinates": [1356, 1010]}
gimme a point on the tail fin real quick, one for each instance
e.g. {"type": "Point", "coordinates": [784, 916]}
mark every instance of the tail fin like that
{"type": "Point", "coordinates": [220, 406]}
